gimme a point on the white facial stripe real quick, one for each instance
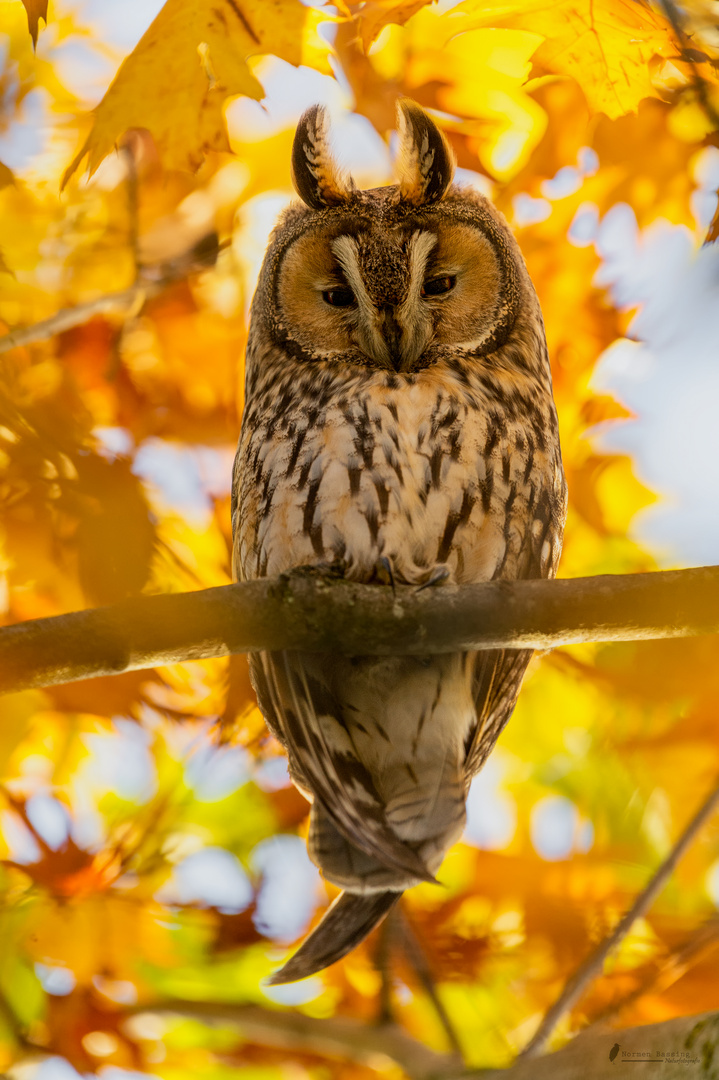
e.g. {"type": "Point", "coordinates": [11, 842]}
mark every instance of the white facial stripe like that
{"type": "Point", "coordinates": [345, 249]}
{"type": "Point", "coordinates": [420, 247]}
{"type": "Point", "coordinates": [412, 315]}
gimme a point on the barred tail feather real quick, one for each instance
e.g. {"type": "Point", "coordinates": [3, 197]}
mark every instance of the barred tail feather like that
{"type": "Point", "coordinates": [345, 924]}
{"type": "Point", "coordinates": [347, 865]}
{"type": "Point", "coordinates": [333, 774]}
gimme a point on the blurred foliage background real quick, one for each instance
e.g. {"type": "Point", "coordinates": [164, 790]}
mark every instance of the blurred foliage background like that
{"type": "Point", "coordinates": [151, 847]}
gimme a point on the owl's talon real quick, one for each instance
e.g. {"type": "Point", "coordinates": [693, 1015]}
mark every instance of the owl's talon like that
{"type": "Point", "coordinates": [438, 576]}
{"type": "Point", "coordinates": [384, 571]}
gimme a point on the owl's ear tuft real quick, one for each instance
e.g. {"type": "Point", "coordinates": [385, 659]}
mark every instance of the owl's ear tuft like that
{"type": "Point", "coordinates": [426, 161]}
{"type": "Point", "coordinates": [315, 176]}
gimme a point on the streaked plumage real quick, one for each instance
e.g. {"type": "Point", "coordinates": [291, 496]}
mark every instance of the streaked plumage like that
{"type": "Point", "coordinates": [398, 423]}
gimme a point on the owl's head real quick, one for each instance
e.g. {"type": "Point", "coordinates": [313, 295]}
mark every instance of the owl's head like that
{"type": "Point", "coordinates": [395, 277]}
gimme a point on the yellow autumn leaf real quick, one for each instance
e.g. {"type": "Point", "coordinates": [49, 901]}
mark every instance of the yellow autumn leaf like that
{"type": "Point", "coordinates": [606, 45]}
{"type": "Point", "coordinates": [6, 176]}
{"type": "Point", "coordinates": [490, 67]}
{"type": "Point", "coordinates": [192, 58]}
{"type": "Point", "coordinates": [90, 934]}
{"type": "Point", "coordinates": [377, 14]}
{"type": "Point", "coordinates": [479, 76]}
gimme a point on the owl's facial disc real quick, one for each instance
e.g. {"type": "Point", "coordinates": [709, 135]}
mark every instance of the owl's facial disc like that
{"type": "Point", "coordinates": [388, 296]}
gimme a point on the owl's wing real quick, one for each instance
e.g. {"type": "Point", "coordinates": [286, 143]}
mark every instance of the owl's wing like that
{"type": "Point", "coordinates": [304, 715]}
{"type": "Point", "coordinates": [496, 682]}
{"type": "Point", "coordinates": [498, 673]}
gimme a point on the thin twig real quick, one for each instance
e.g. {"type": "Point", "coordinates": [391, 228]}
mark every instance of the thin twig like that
{"type": "Point", "coordinates": [328, 615]}
{"type": "Point", "coordinates": [592, 967]}
{"type": "Point", "coordinates": [418, 962]}
{"type": "Point", "coordinates": [387, 931]}
{"type": "Point", "coordinates": [151, 279]}
{"type": "Point", "coordinates": [66, 318]}
{"type": "Point", "coordinates": [702, 942]}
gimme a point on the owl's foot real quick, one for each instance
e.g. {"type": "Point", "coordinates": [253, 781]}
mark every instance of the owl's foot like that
{"type": "Point", "coordinates": [437, 576]}
{"type": "Point", "coordinates": [335, 569]}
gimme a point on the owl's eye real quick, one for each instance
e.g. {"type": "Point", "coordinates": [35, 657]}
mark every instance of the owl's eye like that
{"type": "Point", "coordinates": [437, 286]}
{"type": "Point", "coordinates": [342, 296]}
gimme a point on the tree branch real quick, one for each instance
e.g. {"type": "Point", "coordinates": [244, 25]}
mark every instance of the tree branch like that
{"type": "Point", "coordinates": [418, 961]}
{"type": "Point", "coordinates": [66, 318]}
{"type": "Point", "coordinates": [697, 947]}
{"type": "Point", "coordinates": [151, 279]}
{"type": "Point", "coordinates": [592, 966]}
{"type": "Point", "coordinates": [333, 1037]}
{"type": "Point", "coordinates": [687, 1046]}
{"type": "Point", "coordinates": [306, 611]}
{"type": "Point", "coordinates": [679, 1048]}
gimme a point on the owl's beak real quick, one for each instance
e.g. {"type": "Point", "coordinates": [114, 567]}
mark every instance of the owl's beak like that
{"type": "Point", "coordinates": [389, 341]}
{"type": "Point", "coordinates": [392, 333]}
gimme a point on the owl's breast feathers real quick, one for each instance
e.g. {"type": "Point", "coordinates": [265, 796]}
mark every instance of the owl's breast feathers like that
{"type": "Point", "coordinates": [442, 467]}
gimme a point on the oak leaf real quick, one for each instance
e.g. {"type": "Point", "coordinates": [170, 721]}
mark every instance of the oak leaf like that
{"type": "Point", "coordinates": [193, 58]}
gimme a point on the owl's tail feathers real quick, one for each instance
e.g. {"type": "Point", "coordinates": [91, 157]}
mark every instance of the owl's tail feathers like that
{"type": "Point", "coordinates": [349, 866]}
{"type": "Point", "coordinates": [345, 924]}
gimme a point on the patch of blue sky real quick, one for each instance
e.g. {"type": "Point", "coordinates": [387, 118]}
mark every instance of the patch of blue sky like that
{"type": "Point", "coordinates": [215, 772]}
{"type": "Point", "coordinates": [491, 812]}
{"type": "Point", "coordinates": [114, 1072]}
{"type": "Point", "coordinates": [22, 846]}
{"type": "Point", "coordinates": [120, 762]}
{"type": "Point", "coordinates": [667, 376]}
{"type": "Point", "coordinates": [185, 479]}
{"type": "Point", "coordinates": [26, 137]}
{"type": "Point", "coordinates": [529, 211]}
{"type": "Point", "coordinates": [288, 92]}
{"type": "Point", "coordinates": [557, 830]}
{"type": "Point", "coordinates": [53, 1068]}
{"type": "Point", "coordinates": [298, 993]}
{"type": "Point", "coordinates": [58, 981]}
{"type": "Point", "coordinates": [290, 887]}
{"type": "Point", "coordinates": [272, 774]}
{"type": "Point", "coordinates": [120, 22]}
{"type": "Point", "coordinates": [114, 442]}
{"type": "Point", "coordinates": [566, 181]}
{"type": "Point", "coordinates": [49, 819]}
{"type": "Point", "coordinates": [212, 877]}
{"type": "Point", "coordinates": [585, 224]}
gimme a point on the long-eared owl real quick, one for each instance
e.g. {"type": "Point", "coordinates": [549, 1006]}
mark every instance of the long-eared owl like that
{"type": "Point", "coordinates": [399, 425]}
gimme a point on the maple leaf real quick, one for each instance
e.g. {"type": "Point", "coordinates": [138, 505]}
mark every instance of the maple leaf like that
{"type": "Point", "coordinates": [67, 871]}
{"type": "Point", "coordinates": [606, 45]}
{"type": "Point", "coordinates": [36, 10]}
{"type": "Point", "coordinates": [193, 58]}
{"type": "Point", "coordinates": [377, 14]}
